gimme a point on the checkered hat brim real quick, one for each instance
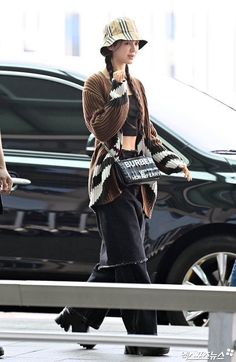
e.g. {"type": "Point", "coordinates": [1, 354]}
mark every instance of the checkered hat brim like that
{"type": "Point", "coordinates": [120, 29]}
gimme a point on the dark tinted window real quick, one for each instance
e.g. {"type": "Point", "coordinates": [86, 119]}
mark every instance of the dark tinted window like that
{"type": "Point", "coordinates": [41, 114]}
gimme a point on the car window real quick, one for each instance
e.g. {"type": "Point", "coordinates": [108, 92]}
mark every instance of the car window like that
{"type": "Point", "coordinates": [41, 113]}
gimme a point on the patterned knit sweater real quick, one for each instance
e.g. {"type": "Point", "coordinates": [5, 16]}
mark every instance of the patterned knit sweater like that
{"type": "Point", "coordinates": [106, 106]}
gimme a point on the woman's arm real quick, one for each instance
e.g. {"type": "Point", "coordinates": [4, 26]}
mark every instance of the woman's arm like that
{"type": "Point", "coordinates": [166, 160]}
{"type": "Point", "coordinates": [105, 117]}
{"type": "Point", "coordinates": [5, 179]}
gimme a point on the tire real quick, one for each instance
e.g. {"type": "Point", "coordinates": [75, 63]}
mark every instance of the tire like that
{"type": "Point", "coordinates": [197, 265]}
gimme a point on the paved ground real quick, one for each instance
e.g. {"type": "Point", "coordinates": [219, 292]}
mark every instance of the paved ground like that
{"type": "Point", "coordinates": [40, 351]}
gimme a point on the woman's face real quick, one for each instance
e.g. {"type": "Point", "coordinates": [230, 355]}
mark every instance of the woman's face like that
{"type": "Point", "coordinates": [124, 51]}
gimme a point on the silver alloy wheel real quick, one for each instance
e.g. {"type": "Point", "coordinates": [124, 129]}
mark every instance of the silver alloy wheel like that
{"type": "Point", "coordinates": [212, 269]}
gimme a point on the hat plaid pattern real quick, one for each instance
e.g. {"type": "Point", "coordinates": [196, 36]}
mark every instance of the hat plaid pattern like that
{"type": "Point", "coordinates": [120, 29]}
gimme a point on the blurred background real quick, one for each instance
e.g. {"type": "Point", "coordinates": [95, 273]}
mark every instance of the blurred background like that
{"type": "Point", "coordinates": [191, 40]}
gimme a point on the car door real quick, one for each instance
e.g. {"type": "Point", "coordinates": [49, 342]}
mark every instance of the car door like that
{"type": "Point", "coordinates": [47, 230]}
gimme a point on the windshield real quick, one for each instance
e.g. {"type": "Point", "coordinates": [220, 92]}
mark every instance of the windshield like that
{"type": "Point", "coordinates": [198, 118]}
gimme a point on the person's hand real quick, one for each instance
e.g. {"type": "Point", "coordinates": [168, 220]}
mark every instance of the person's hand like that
{"type": "Point", "coordinates": [5, 181]}
{"type": "Point", "coordinates": [187, 173]}
{"type": "Point", "coordinates": [119, 76]}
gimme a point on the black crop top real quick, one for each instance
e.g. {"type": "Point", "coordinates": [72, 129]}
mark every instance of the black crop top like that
{"type": "Point", "coordinates": [131, 124]}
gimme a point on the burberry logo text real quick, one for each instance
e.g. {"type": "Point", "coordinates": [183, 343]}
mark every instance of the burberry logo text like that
{"type": "Point", "coordinates": [140, 162]}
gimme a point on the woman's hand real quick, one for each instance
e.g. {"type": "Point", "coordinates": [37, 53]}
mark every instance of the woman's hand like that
{"type": "Point", "coordinates": [5, 181]}
{"type": "Point", "coordinates": [119, 76]}
{"type": "Point", "coordinates": [187, 173]}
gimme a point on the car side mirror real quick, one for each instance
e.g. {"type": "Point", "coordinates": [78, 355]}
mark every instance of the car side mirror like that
{"type": "Point", "coordinates": [90, 145]}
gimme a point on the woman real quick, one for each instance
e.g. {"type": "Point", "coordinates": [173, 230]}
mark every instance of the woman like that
{"type": "Point", "coordinates": [116, 112]}
{"type": "Point", "coordinates": [5, 187]}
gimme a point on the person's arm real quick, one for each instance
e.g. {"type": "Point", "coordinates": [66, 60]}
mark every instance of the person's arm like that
{"type": "Point", "coordinates": [5, 179]}
{"type": "Point", "coordinates": [105, 117]}
{"type": "Point", "coordinates": [168, 161]}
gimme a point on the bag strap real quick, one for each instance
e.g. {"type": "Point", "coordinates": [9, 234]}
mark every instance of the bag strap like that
{"type": "Point", "coordinates": [109, 151]}
{"type": "Point", "coordinates": [106, 148]}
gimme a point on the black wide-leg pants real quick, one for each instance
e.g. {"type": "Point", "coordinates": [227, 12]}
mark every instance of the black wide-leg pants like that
{"type": "Point", "coordinates": [121, 225]}
{"type": "Point", "coordinates": [135, 321]}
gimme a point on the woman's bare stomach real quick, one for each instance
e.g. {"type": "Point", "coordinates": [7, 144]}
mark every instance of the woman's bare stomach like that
{"type": "Point", "coordinates": [129, 142]}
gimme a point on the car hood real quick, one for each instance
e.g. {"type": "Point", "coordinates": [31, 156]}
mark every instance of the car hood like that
{"type": "Point", "coordinates": [200, 119]}
{"type": "Point", "coordinates": [231, 159]}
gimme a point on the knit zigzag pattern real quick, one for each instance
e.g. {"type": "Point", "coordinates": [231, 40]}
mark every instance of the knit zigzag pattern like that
{"type": "Point", "coordinates": [101, 174]}
{"type": "Point", "coordinates": [166, 160]}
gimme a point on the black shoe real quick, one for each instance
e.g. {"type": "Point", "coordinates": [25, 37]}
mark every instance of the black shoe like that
{"type": "Point", "coordinates": [1, 351]}
{"type": "Point", "coordinates": [69, 318]}
{"type": "Point", "coordinates": [146, 351]}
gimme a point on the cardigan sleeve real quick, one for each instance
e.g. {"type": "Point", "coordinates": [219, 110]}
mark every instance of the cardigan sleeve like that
{"type": "Point", "coordinates": [166, 160]}
{"type": "Point", "coordinates": [105, 113]}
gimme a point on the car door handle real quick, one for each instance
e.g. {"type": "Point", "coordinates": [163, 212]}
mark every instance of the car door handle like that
{"type": "Point", "coordinates": [19, 181]}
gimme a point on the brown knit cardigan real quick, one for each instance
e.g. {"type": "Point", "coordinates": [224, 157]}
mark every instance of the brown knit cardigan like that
{"type": "Point", "coordinates": [106, 106]}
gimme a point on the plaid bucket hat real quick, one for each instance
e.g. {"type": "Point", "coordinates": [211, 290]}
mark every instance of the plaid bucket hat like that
{"type": "Point", "coordinates": [120, 29]}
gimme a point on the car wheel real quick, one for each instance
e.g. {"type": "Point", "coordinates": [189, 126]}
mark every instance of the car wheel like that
{"type": "Point", "coordinates": [208, 261]}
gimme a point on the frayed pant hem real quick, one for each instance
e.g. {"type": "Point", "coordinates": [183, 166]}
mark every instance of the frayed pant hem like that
{"type": "Point", "coordinates": [122, 264]}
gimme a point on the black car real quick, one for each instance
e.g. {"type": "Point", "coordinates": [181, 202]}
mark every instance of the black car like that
{"type": "Point", "coordinates": [48, 232]}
